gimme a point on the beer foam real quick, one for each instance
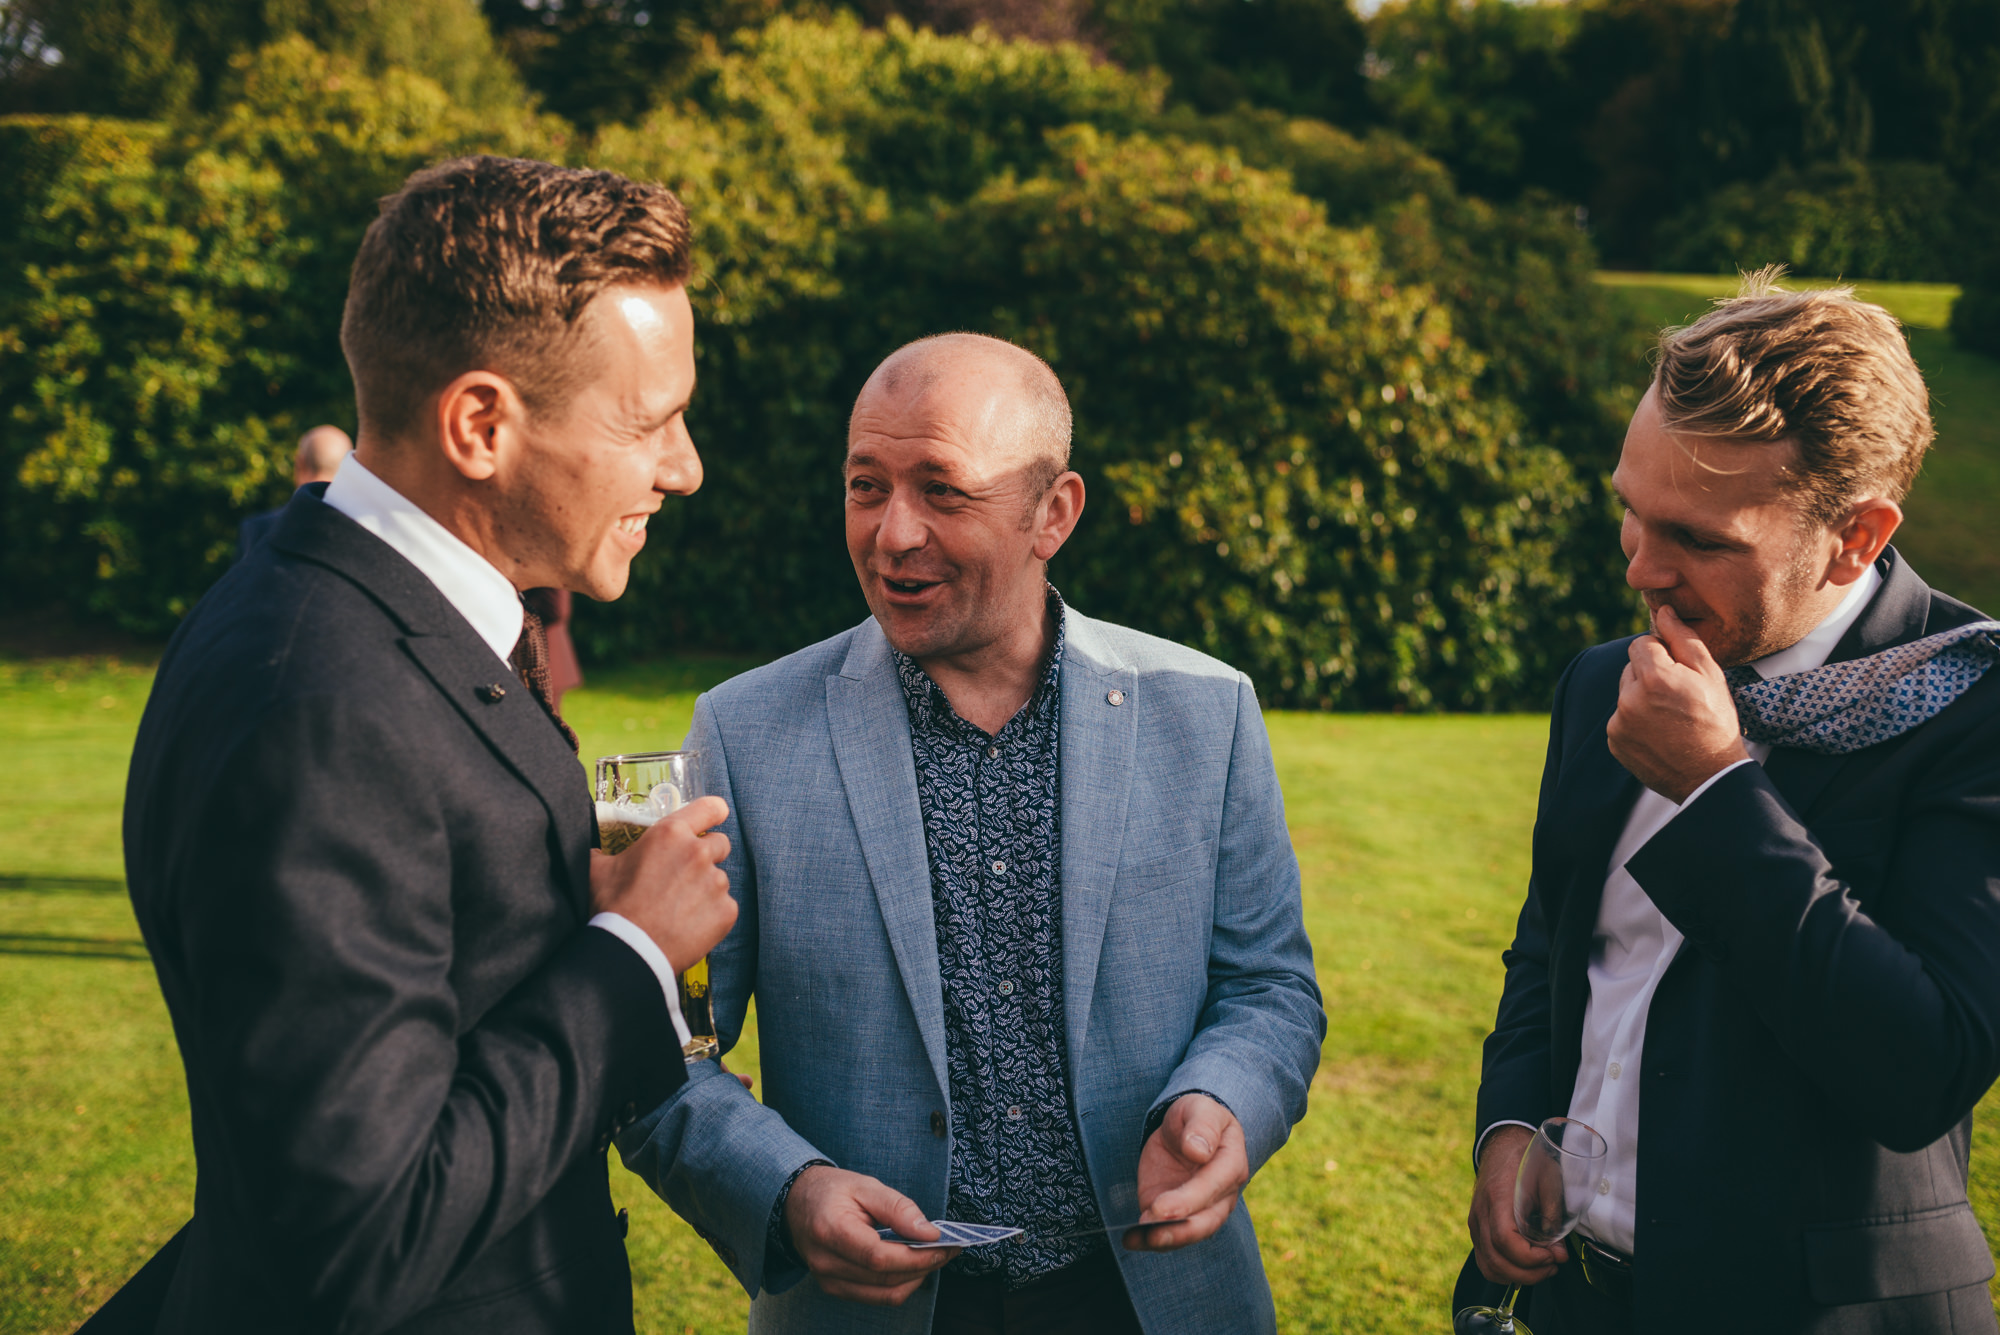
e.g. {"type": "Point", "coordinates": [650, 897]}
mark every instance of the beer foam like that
{"type": "Point", "coordinates": [643, 811]}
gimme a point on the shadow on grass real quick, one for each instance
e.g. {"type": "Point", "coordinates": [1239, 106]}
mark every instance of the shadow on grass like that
{"type": "Point", "coordinates": [89, 885]}
{"type": "Point", "coordinates": [73, 947]}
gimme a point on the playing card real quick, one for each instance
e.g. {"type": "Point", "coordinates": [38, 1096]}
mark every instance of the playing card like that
{"type": "Point", "coordinates": [951, 1233]}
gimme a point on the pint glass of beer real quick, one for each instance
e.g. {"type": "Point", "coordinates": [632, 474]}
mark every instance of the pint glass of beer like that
{"type": "Point", "coordinates": [632, 793]}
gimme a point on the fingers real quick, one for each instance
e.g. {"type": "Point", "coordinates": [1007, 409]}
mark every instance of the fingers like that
{"type": "Point", "coordinates": [1216, 1181]}
{"type": "Point", "coordinates": [701, 815]}
{"type": "Point", "coordinates": [1688, 648]}
{"type": "Point", "coordinates": [886, 1206]}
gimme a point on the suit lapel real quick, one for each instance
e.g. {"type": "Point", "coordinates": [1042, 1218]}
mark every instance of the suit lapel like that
{"type": "Point", "coordinates": [870, 724]}
{"type": "Point", "coordinates": [520, 732]}
{"type": "Point", "coordinates": [459, 663]}
{"type": "Point", "coordinates": [1098, 743]}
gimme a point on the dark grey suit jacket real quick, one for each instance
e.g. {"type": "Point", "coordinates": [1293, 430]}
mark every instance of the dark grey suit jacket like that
{"type": "Point", "coordinates": [364, 883]}
{"type": "Point", "coordinates": [1814, 1053]}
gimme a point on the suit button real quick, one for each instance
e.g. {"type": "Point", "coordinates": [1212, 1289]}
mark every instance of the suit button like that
{"type": "Point", "coordinates": [937, 1125]}
{"type": "Point", "coordinates": [604, 1142]}
{"type": "Point", "coordinates": [492, 695]}
{"type": "Point", "coordinates": [629, 1113]}
{"type": "Point", "coordinates": [624, 1223]}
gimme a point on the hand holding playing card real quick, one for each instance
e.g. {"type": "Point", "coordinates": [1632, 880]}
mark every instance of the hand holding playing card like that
{"type": "Point", "coordinates": [1191, 1169]}
{"type": "Point", "coordinates": [833, 1216]}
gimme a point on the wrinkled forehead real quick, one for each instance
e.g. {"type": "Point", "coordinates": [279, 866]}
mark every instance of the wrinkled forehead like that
{"type": "Point", "coordinates": [953, 423]}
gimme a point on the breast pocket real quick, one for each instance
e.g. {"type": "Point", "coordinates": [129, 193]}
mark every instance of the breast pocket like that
{"type": "Point", "coordinates": [1175, 888]}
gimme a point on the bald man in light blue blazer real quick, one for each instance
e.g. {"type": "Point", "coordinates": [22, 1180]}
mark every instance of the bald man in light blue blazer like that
{"type": "Point", "coordinates": [1186, 1021]}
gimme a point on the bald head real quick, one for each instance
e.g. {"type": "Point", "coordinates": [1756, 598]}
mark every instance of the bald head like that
{"type": "Point", "coordinates": [1020, 403]}
{"type": "Point", "coordinates": [320, 452]}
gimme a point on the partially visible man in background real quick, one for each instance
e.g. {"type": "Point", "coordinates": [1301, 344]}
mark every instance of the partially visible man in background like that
{"type": "Point", "coordinates": [412, 1004]}
{"type": "Point", "coordinates": [317, 459]}
{"type": "Point", "coordinates": [1761, 946]}
{"type": "Point", "coordinates": [1019, 910]}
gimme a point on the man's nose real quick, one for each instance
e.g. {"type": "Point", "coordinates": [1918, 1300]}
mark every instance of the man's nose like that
{"type": "Point", "coordinates": [679, 470]}
{"type": "Point", "coordinates": [1645, 567]}
{"type": "Point", "coordinates": [903, 528]}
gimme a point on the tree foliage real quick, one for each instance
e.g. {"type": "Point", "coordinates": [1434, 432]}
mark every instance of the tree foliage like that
{"type": "Point", "coordinates": [1340, 424]}
{"type": "Point", "coordinates": [152, 58]}
{"type": "Point", "coordinates": [170, 320]}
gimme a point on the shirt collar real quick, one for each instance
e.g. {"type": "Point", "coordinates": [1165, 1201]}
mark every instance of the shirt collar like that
{"type": "Point", "coordinates": [469, 582]}
{"type": "Point", "coordinates": [1820, 642]}
{"type": "Point", "coordinates": [930, 707]}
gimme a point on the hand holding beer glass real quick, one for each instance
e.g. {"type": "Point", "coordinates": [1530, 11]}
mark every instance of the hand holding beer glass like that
{"type": "Point", "coordinates": [635, 794]}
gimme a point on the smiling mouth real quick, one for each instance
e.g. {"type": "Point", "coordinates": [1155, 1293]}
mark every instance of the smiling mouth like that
{"type": "Point", "coordinates": [633, 526]}
{"type": "Point", "coordinates": [909, 586]}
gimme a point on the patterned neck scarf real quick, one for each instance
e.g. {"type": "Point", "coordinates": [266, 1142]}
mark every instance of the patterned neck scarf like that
{"type": "Point", "coordinates": [1845, 706]}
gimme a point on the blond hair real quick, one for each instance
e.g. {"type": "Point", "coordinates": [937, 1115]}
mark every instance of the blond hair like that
{"type": "Point", "coordinates": [1818, 370]}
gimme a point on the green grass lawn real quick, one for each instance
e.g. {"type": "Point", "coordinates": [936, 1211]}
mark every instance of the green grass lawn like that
{"type": "Point", "coordinates": [1954, 510]}
{"type": "Point", "coordinates": [1413, 835]}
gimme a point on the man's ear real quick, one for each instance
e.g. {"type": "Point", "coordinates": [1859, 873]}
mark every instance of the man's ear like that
{"type": "Point", "coordinates": [1056, 515]}
{"type": "Point", "coordinates": [474, 412]}
{"type": "Point", "coordinates": [1862, 536]}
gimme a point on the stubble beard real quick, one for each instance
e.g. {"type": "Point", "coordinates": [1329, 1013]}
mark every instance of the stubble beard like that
{"type": "Point", "coordinates": [1784, 619]}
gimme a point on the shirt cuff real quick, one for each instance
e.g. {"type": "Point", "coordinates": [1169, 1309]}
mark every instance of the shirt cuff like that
{"type": "Point", "coordinates": [1481, 1145]}
{"type": "Point", "coordinates": [656, 959]}
{"type": "Point", "coordinates": [1710, 782]}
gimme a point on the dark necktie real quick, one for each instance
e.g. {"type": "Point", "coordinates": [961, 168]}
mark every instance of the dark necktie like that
{"type": "Point", "coordinates": [531, 661]}
{"type": "Point", "coordinates": [1845, 706]}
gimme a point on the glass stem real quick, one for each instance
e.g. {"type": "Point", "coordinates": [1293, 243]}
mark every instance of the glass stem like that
{"type": "Point", "coordinates": [1507, 1307]}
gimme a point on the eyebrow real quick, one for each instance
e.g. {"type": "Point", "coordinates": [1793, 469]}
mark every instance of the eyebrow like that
{"type": "Point", "coordinates": [1712, 536]}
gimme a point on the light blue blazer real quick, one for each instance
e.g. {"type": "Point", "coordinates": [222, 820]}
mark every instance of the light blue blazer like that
{"type": "Point", "coordinates": [1185, 963]}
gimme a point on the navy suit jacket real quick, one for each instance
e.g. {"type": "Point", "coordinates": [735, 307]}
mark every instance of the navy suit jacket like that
{"type": "Point", "coordinates": [1813, 1055]}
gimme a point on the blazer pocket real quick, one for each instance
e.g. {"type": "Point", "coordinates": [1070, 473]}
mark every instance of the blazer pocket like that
{"type": "Point", "coordinates": [1929, 1251]}
{"type": "Point", "coordinates": [1163, 871]}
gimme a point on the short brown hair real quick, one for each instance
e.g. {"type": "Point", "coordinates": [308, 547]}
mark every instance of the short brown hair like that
{"type": "Point", "coordinates": [1819, 370]}
{"type": "Point", "coordinates": [486, 264]}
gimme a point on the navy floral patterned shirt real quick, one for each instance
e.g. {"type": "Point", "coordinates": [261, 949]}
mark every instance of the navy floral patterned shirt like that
{"type": "Point", "coordinates": [991, 808]}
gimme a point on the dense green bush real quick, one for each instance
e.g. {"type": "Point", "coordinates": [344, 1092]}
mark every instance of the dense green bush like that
{"type": "Point", "coordinates": [169, 321]}
{"type": "Point", "coordinates": [1118, 255]}
{"type": "Point", "coordinates": [1340, 424]}
{"type": "Point", "coordinates": [1894, 221]}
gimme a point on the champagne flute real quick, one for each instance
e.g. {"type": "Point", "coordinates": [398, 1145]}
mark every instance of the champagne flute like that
{"type": "Point", "coordinates": [1554, 1188]}
{"type": "Point", "coordinates": [633, 793]}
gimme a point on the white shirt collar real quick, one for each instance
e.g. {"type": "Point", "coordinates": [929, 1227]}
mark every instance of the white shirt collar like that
{"type": "Point", "coordinates": [1820, 641]}
{"type": "Point", "coordinates": [468, 581]}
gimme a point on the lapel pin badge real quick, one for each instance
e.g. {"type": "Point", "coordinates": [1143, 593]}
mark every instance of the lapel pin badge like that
{"type": "Point", "coordinates": [492, 695]}
{"type": "Point", "coordinates": [1115, 697]}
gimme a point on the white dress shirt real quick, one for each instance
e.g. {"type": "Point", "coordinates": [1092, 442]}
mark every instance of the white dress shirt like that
{"type": "Point", "coordinates": [490, 602]}
{"type": "Point", "coordinates": [1632, 948]}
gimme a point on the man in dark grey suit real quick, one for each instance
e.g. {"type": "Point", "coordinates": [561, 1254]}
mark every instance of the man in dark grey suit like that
{"type": "Point", "coordinates": [1761, 946]}
{"type": "Point", "coordinates": [413, 1005]}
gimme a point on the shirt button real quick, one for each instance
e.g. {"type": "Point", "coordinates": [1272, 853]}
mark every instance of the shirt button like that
{"type": "Point", "coordinates": [1115, 697]}
{"type": "Point", "coordinates": [1014, 1113]}
{"type": "Point", "coordinates": [1604, 1186]}
{"type": "Point", "coordinates": [992, 752]}
{"type": "Point", "coordinates": [1007, 987]}
{"type": "Point", "coordinates": [1615, 1070]}
{"type": "Point", "coordinates": [999, 866]}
